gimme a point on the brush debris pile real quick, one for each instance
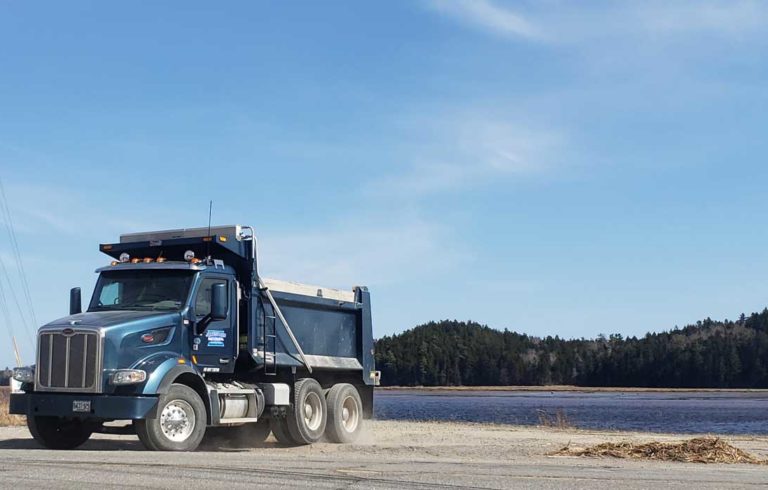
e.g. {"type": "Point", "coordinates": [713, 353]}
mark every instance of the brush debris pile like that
{"type": "Point", "coordinates": [698, 450]}
{"type": "Point", "coordinates": [5, 417]}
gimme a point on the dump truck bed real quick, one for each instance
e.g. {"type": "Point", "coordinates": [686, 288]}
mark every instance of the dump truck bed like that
{"type": "Point", "coordinates": [330, 325]}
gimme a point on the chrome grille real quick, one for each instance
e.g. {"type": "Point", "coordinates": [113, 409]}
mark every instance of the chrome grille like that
{"type": "Point", "coordinates": [68, 360]}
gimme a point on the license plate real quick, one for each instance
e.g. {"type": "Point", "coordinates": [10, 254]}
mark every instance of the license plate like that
{"type": "Point", "coordinates": [81, 406]}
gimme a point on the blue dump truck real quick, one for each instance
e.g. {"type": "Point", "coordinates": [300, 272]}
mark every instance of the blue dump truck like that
{"type": "Point", "coordinates": [183, 335]}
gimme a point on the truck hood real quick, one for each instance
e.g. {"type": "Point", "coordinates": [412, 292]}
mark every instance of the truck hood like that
{"type": "Point", "coordinates": [111, 319]}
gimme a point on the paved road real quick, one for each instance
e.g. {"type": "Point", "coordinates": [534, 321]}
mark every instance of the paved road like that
{"type": "Point", "coordinates": [119, 461]}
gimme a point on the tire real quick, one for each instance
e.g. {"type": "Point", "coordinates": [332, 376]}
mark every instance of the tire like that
{"type": "Point", "coordinates": [345, 413]}
{"type": "Point", "coordinates": [180, 422]}
{"type": "Point", "coordinates": [59, 432]}
{"type": "Point", "coordinates": [255, 433]}
{"type": "Point", "coordinates": [279, 429]}
{"type": "Point", "coordinates": [306, 421]}
{"type": "Point", "coordinates": [143, 437]}
{"type": "Point", "coordinates": [241, 436]}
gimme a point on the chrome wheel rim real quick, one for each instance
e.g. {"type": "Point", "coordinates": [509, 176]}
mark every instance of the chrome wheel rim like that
{"type": "Point", "coordinates": [177, 420]}
{"type": "Point", "coordinates": [313, 411]}
{"type": "Point", "coordinates": [350, 414]}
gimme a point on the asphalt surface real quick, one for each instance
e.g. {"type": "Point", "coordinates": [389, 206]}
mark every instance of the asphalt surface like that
{"type": "Point", "coordinates": [120, 462]}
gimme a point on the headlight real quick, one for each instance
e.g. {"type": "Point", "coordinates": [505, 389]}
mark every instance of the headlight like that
{"type": "Point", "coordinates": [128, 377]}
{"type": "Point", "coordinates": [24, 374]}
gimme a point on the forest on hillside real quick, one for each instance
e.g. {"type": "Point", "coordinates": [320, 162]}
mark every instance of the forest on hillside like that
{"type": "Point", "coordinates": [709, 354]}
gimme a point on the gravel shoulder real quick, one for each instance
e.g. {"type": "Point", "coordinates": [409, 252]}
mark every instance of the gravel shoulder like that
{"type": "Point", "coordinates": [392, 454]}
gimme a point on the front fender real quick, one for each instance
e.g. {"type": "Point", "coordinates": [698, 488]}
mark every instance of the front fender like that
{"type": "Point", "coordinates": [161, 370]}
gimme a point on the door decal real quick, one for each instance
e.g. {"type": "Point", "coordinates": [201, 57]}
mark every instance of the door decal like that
{"type": "Point", "coordinates": [215, 337]}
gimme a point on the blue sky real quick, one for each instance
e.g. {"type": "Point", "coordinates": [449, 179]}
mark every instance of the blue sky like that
{"type": "Point", "coordinates": [550, 167]}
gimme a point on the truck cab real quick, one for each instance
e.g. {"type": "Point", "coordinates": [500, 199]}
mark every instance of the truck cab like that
{"type": "Point", "coordinates": [175, 295]}
{"type": "Point", "coordinates": [182, 334]}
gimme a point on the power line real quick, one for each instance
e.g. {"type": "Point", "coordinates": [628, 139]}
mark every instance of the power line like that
{"type": "Point", "coordinates": [29, 329]}
{"type": "Point", "coordinates": [28, 325]}
{"type": "Point", "coordinates": [9, 323]}
{"type": "Point", "coordinates": [8, 219]}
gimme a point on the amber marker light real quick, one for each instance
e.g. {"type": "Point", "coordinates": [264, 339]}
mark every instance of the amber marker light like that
{"type": "Point", "coordinates": [223, 238]}
{"type": "Point", "coordinates": [147, 260]}
{"type": "Point", "coordinates": [135, 260]}
{"type": "Point", "coordinates": [182, 360]}
{"type": "Point", "coordinates": [114, 263]}
{"type": "Point", "coordinates": [160, 260]}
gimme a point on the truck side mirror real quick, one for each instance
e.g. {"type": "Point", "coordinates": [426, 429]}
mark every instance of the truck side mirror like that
{"type": "Point", "coordinates": [75, 302]}
{"type": "Point", "coordinates": [219, 305]}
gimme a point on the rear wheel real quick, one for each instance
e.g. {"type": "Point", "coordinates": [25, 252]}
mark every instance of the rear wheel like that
{"type": "Point", "coordinates": [279, 428]}
{"type": "Point", "coordinates": [59, 432]}
{"type": "Point", "coordinates": [306, 421]}
{"type": "Point", "coordinates": [180, 424]}
{"type": "Point", "coordinates": [345, 413]}
{"type": "Point", "coordinates": [240, 436]}
{"type": "Point", "coordinates": [255, 433]}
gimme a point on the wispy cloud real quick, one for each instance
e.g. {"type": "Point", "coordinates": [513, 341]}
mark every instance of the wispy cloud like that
{"type": "Point", "coordinates": [44, 208]}
{"type": "Point", "coordinates": [566, 23]}
{"type": "Point", "coordinates": [488, 16]}
{"type": "Point", "coordinates": [377, 252]}
{"type": "Point", "coordinates": [463, 152]}
{"type": "Point", "coordinates": [730, 18]}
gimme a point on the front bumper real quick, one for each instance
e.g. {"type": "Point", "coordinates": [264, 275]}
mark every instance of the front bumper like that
{"type": "Point", "coordinates": [101, 406]}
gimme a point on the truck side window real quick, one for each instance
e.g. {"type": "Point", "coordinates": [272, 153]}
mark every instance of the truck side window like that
{"type": "Point", "coordinates": [203, 298]}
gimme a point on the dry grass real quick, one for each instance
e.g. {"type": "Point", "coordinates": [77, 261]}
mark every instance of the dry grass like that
{"type": "Point", "coordinates": [5, 418]}
{"type": "Point", "coordinates": [558, 420]}
{"type": "Point", "coordinates": [698, 450]}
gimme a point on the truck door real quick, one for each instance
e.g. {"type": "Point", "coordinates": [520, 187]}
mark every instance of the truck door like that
{"type": "Point", "coordinates": [214, 348]}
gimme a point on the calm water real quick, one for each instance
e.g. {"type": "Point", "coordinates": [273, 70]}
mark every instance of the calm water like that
{"type": "Point", "coordinates": [717, 413]}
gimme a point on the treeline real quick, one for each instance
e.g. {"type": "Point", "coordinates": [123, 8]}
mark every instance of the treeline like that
{"type": "Point", "coordinates": [710, 354]}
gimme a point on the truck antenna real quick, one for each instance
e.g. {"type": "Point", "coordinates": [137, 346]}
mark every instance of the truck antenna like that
{"type": "Point", "coordinates": [208, 246]}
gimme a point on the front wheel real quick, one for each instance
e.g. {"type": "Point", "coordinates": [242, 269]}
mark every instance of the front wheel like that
{"type": "Point", "coordinates": [59, 432]}
{"type": "Point", "coordinates": [180, 423]}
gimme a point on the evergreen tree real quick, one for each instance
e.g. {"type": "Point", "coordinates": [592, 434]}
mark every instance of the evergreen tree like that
{"type": "Point", "coordinates": [708, 354]}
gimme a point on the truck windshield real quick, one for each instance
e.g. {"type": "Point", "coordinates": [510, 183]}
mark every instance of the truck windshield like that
{"type": "Point", "coordinates": [141, 290]}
